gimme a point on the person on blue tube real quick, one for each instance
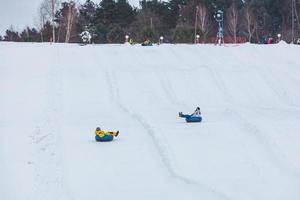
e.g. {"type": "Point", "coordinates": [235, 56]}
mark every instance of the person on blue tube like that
{"type": "Point", "coordinates": [195, 117]}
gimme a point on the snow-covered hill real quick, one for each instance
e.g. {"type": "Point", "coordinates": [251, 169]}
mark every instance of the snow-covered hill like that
{"type": "Point", "coordinates": [54, 96]}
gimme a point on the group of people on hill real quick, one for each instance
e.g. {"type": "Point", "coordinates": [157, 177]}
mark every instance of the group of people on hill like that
{"type": "Point", "coordinates": [102, 136]}
{"type": "Point", "coordinates": [271, 40]}
{"type": "Point", "coordinates": [86, 38]}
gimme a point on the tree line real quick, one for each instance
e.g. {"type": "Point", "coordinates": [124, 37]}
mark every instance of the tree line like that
{"type": "Point", "coordinates": [178, 21]}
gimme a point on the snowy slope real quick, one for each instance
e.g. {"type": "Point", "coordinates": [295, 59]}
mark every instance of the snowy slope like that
{"type": "Point", "coordinates": [53, 97]}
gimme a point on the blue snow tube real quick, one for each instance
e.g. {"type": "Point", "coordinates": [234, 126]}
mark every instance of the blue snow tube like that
{"type": "Point", "coordinates": [193, 119]}
{"type": "Point", "coordinates": [105, 138]}
{"type": "Point", "coordinates": [147, 45]}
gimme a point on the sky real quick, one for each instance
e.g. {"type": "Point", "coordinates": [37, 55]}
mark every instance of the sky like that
{"type": "Point", "coordinates": [22, 13]}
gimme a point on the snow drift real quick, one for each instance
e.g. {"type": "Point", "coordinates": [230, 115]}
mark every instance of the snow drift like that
{"type": "Point", "coordinates": [54, 96]}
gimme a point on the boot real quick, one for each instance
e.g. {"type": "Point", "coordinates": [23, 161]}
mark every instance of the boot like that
{"type": "Point", "coordinates": [117, 133]}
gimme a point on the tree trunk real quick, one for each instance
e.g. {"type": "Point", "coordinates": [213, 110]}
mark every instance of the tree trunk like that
{"type": "Point", "coordinates": [70, 19]}
{"type": "Point", "coordinates": [203, 20]}
{"type": "Point", "coordinates": [53, 15]}
{"type": "Point", "coordinates": [232, 17]}
{"type": "Point", "coordinates": [251, 24]}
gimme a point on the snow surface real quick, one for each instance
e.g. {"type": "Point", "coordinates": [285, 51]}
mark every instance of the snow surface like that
{"type": "Point", "coordinates": [54, 96]}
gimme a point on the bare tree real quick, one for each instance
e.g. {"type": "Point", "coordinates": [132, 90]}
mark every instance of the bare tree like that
{"type": "Point", "coordinates": [47, 12]}
{"type": "Point", "coordinates": [250, 22]}
{"type": "Point", "coordinates": [196, 24]}
{"type": "Point", "coordinates": [70, 19]}
{"type": "Point", "coordinates": [180, 21]}
{"type": "Point", "coordinates": [232, 18]}
{"type": "Point", "coordinates": [42, 18]}
{"type": "Point", "coordinates": [53, 16]}
{"type": "Point", "coordinates": [295, 18]}
{"type": "Point", "coordinates": [202, 12]}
